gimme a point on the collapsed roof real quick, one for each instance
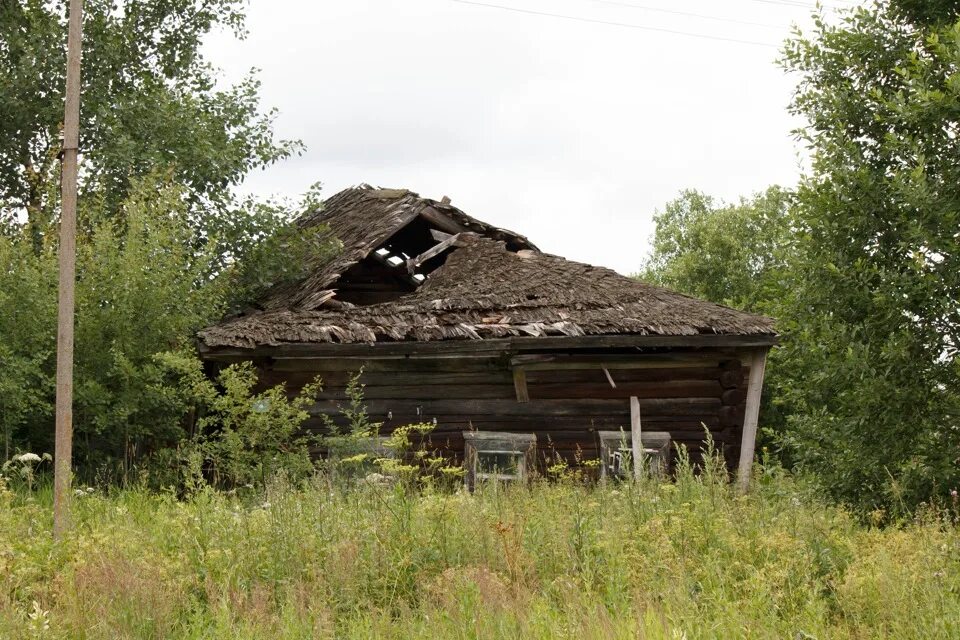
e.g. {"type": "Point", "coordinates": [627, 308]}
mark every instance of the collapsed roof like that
{"type": "Point", "coordinates": [415, 269]}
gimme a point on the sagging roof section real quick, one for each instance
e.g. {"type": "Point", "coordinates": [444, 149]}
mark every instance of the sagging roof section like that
{"type": "Point", "coordinates": [414, 269]}
{"type": "Point", "coordinates": [365, 219]}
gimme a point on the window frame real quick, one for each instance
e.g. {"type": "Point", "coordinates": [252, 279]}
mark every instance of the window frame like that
{"type": "Point", "coordinates": [476, 443]}
{"type": "Point", "coordinates": [656, 448]}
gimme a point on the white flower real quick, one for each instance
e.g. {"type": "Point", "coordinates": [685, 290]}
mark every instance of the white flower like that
{"type": "Point", "coordinates": [27, 457]}
{"type": "Point", "coordinates": [39, 619]}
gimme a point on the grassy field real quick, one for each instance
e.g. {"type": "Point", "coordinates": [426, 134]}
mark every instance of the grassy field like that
{"type": "Point", "coordinates": [689, 559]}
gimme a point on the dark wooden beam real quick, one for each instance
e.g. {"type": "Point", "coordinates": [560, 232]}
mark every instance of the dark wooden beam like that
{"type": "Point", "coordinates": [493, 345]}
{"type": "Point", "coordinates": [438, 219]}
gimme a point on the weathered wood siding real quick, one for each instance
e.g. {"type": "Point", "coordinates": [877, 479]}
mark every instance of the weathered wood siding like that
{"type": "Point", "coordinates": [566, 407]}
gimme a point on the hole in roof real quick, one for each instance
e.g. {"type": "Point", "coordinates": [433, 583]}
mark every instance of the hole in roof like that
{"type": "Point", "coordinates": [532, 296]}
{"type": "Point", "coordinates": [395, 260]}
{"type": "Point", "coordinates": [382, 252]}
{"type": "Point", "coordinates": [419, 277]}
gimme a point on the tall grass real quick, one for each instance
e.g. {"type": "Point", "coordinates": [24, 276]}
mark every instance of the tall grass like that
{"type": "Point", "coordinates": [688, 559]}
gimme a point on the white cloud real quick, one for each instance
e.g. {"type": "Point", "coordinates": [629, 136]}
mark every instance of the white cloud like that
{"type": "Point", "coordinates": [568, 132]}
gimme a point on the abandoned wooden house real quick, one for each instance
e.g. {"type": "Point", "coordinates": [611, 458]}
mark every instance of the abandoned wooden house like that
{"type": "Point", "coordinates": [517, 356]}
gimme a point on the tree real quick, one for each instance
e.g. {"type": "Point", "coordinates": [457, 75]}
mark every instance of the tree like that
{"type": "Point", "coordinates": [150, 100]}
{"type": "Point", "coordinates": [143, 289]}
{"type": "Point", "coordinates": [872, 321]}
{"type": "Point", "coordinates": [732, 254]}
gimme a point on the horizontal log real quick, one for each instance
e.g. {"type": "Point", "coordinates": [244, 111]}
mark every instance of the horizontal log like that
{"type": "Point", "coordinates": [624, 375]}
{"type": "Point", "coordinates": [493, 345]}
{"type": "Point", "coordinates": [547, 436]}
{"type": "Point", "coordinates": [575, 407]}
{"type": "Point", "coordinates": [424, 393]}
{"type": "Point", "coordinates": [625, 389]}
{"type": "Point", "coordinates": [397, 364]}
{"type": "Point", "coordinates": [692, 429]}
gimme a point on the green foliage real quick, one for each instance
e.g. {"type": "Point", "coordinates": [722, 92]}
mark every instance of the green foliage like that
{"type": "Point", "coordinates": [246, 436]}
{"type": "Point", "coordinates": [137, 295]}
{"type": "Point", "coordinates": [732, 254]}
{"type": "Point", "coordinates": [28, 314]}
{"type": "Point", "coordinates": [738, 255]}
{"type": "Point", "coordinates": [870, 312]}
{"type": "Point", "coordinates": [150, 100]}
{"type": "Point", "coordinates": [273, 250]}
{"type": "Point", "coordinates": [145, 285]}
{"type": "Point", "coordinates": [926, 12]}
{"type": "Point", "coordinates": [552, 560]}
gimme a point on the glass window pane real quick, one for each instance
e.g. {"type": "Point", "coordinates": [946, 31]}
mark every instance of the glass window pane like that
{"type": "Point", "coordinates": [499, 462]}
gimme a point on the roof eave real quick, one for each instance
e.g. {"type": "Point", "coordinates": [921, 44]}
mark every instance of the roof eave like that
{"type": "Point", "coordinates": [492, 345]}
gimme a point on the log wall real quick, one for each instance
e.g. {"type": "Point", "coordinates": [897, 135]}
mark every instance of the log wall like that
{"type": "Point", "coordinates": [567, 405]}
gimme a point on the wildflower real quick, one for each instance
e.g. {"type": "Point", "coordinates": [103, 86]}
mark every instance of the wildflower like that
{"type": "Point", "coordinates": [27, 457]}
{"type": "Point", "coordinates": [39, 619]}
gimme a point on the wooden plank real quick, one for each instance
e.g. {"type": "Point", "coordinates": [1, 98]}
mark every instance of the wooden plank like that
{"type": "Point", "coordinates": [636, 360]}
{"type": "Point", "coordinates": [607, 341]}
{"type": "Point", "coordinates": [623, 375]}
{"type": "Point", "coordinates": [438, 219]}
{"type": "Point", "coordinates": [520, 385]}
{"type": "Point", "coordinates": [433, 251]}
{"type": "Point", "coordinates": [396, 364]}
{"type": "Point", "coordinates": [609, 377]}
{"type": "Point", "coordinates": [546, 408]}
{"type": "Point", "coordinates": [493, 345]}
{"type": "Point", "coordinates": [748, 436]}
{"type": "Point", "coordinates": [600, 390]}
{"type": "Point", "coordinates": [686, 424]}
{"type": "Point", "coordinates": [424, 392]}
{"type": "Point", "coordinates": [636, 444]}
{"type": "Point", "coordinates": [400, 273]}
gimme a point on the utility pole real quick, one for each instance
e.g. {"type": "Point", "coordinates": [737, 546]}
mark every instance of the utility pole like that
{"type": "Point", "coordinates": [63, 449]}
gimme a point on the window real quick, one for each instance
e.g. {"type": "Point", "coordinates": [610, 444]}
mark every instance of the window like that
{"type": "Point", "coordinates": [489, 455]}
{"type": "Point", "coordinates": [616, 453]}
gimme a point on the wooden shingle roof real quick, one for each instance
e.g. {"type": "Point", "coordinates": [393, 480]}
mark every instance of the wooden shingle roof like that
{"type": "Point", "coordinates": [492, 284]}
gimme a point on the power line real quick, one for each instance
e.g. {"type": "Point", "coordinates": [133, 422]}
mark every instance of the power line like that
{"type": "Point", "coordinates": [615, 24]}
{"type": "Point", "coordinates": [690, 14]}
{"type": "Point", "coordinates": [805, 5]}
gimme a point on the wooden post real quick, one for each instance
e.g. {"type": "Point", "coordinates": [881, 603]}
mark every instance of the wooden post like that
{"type": "Point", "coordinates": [636, 444]}
{"type": "Point", "coordinates": [748, 438]}
{"type": "Point", "coordinates": [520, 384]}
{"type": "Point", "coordinates": [63, 447]}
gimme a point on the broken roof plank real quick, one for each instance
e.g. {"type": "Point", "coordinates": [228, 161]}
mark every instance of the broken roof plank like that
{"type": "Point", "coordinates": [433, 251]}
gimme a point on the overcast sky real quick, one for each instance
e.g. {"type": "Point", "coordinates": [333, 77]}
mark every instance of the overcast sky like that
{"type": "Point", "coordinates": [570, 132]}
